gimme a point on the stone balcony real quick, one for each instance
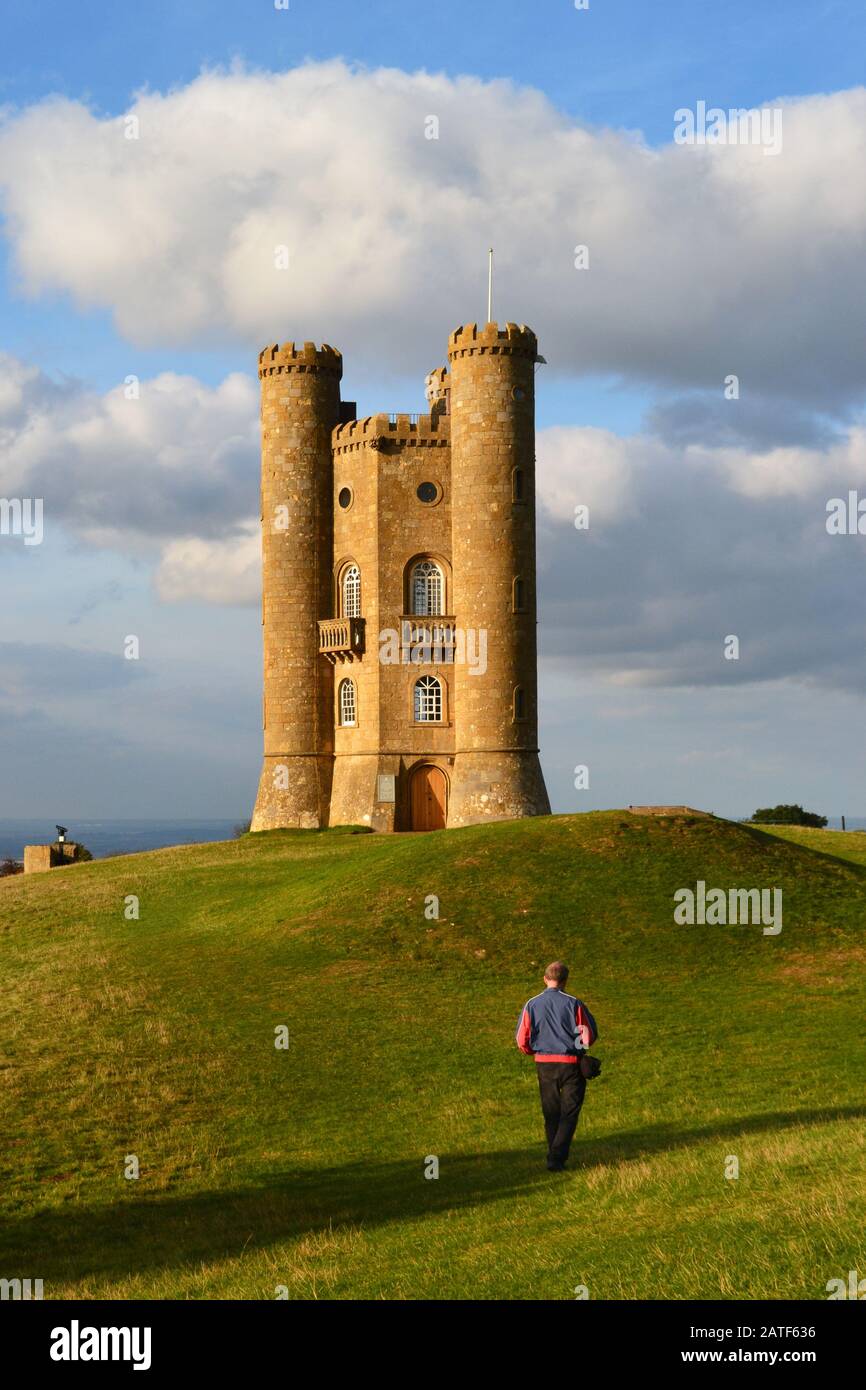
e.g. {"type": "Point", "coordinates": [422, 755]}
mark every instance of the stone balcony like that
{"type": "Point", "coordinates": [424, 639]}
{"type": "Point", "coordinates": [341, 639]}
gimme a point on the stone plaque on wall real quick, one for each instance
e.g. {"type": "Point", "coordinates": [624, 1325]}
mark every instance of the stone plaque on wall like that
{"type": "Point", "coordinates": [386, 787]}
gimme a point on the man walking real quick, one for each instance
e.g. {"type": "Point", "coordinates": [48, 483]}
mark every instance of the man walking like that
{"type": "Point", "coordinates": [556, 1028]}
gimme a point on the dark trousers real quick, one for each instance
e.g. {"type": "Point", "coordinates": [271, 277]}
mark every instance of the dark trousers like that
{"type": "Point", "coordinates": [562, 1090]}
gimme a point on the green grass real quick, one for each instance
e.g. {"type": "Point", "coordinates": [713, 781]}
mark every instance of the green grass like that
{"type": "Point", "coordinates": [850, 844]}
{"type": "Point", "coordinates": [305, 1168]}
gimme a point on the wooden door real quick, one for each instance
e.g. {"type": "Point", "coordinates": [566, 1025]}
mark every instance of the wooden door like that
{"type": "Point", "coordinates": [428, 798]}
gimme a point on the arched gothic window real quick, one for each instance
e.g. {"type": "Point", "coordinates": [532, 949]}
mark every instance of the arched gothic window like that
{"type": "Point", "coordinates": [348, 708]}
{"type": "Point", "coordinates": [428, 700]}
{"type": "Point", "coordinates": [427, 589]}
{"type": "Point", "coordinates": [351, 591]}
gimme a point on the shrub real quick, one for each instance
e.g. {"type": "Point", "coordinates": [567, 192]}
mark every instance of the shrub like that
{"type": "Point", "coordinates": [787, 815]}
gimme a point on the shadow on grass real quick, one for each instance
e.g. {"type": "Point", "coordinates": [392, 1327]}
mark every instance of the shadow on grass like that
{"type": "Point", "coordinates": [170, 1230]}
{"type": "Point", "coordinates": [756, 832]}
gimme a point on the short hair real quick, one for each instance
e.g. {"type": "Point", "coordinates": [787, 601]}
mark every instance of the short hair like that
{"type": "Point", "coordinates": [558, 971]}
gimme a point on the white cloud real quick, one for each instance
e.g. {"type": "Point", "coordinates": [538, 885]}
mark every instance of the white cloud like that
{"type": "Point", "coordinates": [591, 467]}
{"type": "Point", "coordinates": [224, 571]}
{"type": "Point", "coordinates": [131, 474]}
{"type": "Point", "coordinates": [694, 544]}
{"type": "Point", "coordinates": [703, 260]}
{"type": "Point", "coordinates": [613, 473]}
{"type": "Point", "coordinates": [798, 472]}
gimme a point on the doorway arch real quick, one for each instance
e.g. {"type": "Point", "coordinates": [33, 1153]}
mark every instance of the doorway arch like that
{"type": "Point", "coordinates": [428, 798]}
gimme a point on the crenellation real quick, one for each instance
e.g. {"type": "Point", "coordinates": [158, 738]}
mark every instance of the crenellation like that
{"type": "Point", "coordinates": [397, 429]}
{"type": "Point", "coordinates": [437, 383]}
{"type": "Point", "coordinates": [274, 359]}
{"type": "Point", "coordinates": [512, 339]}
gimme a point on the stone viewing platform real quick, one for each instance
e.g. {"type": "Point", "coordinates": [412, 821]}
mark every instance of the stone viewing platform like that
{"type": "Point", "coordinates": [39, 858]}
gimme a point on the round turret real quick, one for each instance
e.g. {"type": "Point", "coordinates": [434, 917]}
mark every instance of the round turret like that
{"type": "Point", "coordinates": [300, 388]}
{"type": "Point", "coordinates": [496, 772]}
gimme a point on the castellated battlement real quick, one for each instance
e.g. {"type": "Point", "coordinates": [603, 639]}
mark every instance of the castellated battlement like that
{"type": "Point", "coordinates": [437, 384]}
{"type": "Point", "coordinates": [514, 340]}
{"type": "Point", "coordinates": [274, 359]}
{"type": "Point", "coordinates": [378, 431]}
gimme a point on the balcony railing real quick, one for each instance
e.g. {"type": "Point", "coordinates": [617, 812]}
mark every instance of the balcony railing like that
{"type": "Point", "coordinates": [427, 639]}
{"type": "Point", "coordinates": [341, 639]}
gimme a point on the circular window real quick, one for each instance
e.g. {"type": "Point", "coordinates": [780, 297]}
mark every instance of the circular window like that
{"type": "Point", "coordinates": [344, 497]}
{"type": "Point", "coordinates": [518, 393]}
{"type": "Point", "coordinates": [427, 492]}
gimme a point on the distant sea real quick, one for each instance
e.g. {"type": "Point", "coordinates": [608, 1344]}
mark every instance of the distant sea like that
{"type": "Point", "coordinates": [103, 837]}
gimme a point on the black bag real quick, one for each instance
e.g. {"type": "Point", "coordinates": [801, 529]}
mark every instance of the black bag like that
{"type": "Point", "coordinates": [590, 1067]}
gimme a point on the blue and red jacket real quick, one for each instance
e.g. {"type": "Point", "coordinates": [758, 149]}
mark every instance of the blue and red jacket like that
{"type": "Point", "coordinates": [555, 1027]}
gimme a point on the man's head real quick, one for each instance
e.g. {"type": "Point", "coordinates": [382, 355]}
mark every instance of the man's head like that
{"type": "Point", "coordinates": [556, 975]}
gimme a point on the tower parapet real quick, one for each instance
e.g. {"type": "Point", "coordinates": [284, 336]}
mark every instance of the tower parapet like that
{"type": "Point", "coordinates": [511, 340]}
{"type": "Point", "coordinates": [437, 390]}
{"type": "Point", "coordinates": [275, 359]}
{"type": "Point", "coordinates": [376, 431]}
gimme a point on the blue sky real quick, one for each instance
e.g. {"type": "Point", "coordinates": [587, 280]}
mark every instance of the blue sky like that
{"type": "Point", "coordinates": [622, 63]}
{"type": "Point", "coordinates": [630, 399]}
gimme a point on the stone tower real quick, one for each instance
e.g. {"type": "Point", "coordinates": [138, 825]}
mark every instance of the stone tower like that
{"type": "Point", "coordinates": [399, 608]}
{"type": "Point", "coordinates": [300, 407]}
{"type": "Point", "coordinates": [497, 774]}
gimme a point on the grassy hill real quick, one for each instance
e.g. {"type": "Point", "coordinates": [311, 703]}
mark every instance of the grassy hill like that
{"type": "Point", "coordinates": [305, 1167]}
{"type": "Point", "coordinates": [850, 845]}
